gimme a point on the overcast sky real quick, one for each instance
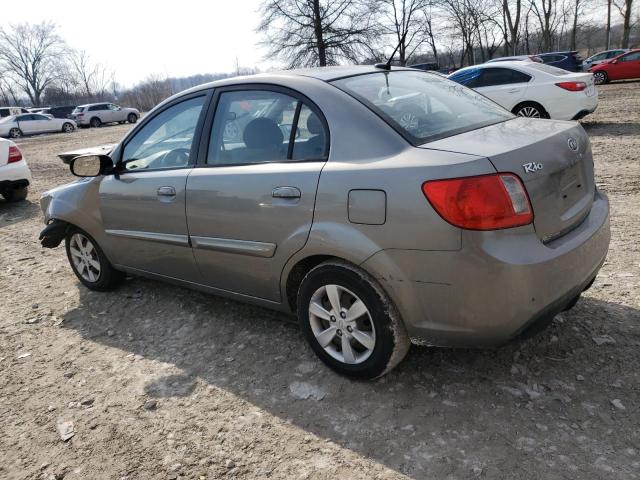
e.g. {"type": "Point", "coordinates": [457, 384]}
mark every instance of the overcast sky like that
{"type": "Point", "coordinates": [137, 38]}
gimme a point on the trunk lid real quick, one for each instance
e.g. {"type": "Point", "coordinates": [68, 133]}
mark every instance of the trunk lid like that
{"type": "Point", "coordinates": [587, 78]}
{"type": "Point", "coordinates": [4, 151]}
{"type": "Point", "coordinates": [553, 159]}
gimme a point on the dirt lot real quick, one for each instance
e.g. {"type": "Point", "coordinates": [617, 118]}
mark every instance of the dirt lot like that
{"type": "Point", "coordinates": [238, 394]}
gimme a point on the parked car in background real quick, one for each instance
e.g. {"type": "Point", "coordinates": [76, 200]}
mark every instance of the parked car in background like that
{"type": "Point", "coordinates": [601, 57]}
{"type": "Point", "coordinates": [95, 114]}
{"type": "Point", "coordinates": [15, 175]}
{"type": "Point", "coordinates": [59, 112]}
{"type": "Point", "coordinates": [428, 67]}
{"type": "Point", "coordinates": [400, 207]}
{"type": "Point", "coordinates": [33, 123]}
{"type": "Point", "coordinates": [622, 67]}
{"type": "Point", "coordinates": [531, 89]}
{"type": "Point", "coordinates": [521, 58]}
{"type": "Point", "coordinates": [571, 61]}
{"type": "Point", "coordinates": [8, 111]}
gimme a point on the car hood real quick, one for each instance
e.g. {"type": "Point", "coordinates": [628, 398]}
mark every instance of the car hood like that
{"type": "Point", "coordinates": [66, 157]}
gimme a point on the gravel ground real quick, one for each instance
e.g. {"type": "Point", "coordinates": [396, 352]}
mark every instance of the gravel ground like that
{"type": "Point", "coordinates": [162, 382]}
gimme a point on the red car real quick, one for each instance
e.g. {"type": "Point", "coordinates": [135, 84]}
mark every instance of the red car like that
{"type": "Point", "coordinates": [622, 67]}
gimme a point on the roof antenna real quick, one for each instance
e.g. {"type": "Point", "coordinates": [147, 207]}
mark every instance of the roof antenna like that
{"type": "Point", "coordinates": [387, 65]}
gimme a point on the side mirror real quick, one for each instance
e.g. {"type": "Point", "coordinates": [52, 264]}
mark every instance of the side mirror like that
{"type": "Point", "coordinates": [91, 165]}
{"type": "Point", "coordinates": [614, 61]}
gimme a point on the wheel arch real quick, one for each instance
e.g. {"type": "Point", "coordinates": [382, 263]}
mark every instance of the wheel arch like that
{"type": "Point", "coordinates": [525, 102]}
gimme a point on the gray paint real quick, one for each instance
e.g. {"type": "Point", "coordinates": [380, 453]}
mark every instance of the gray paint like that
{"type": "Point", "coordinates": [452, 287]}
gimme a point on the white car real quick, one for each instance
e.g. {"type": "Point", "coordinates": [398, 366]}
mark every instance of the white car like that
{"type": "Point", "coordinates": [95, 114]}
{"type": "Point", "coordinates": [15, 175]}
{"type": "Point", "coordinates": [531, 89]}
{"type": "Point", "coordinates": [17, 126]}
{"type": "Point", "coordinates": [601, 57]}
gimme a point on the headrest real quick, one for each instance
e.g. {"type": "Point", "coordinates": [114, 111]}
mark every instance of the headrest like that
{"type": "Point", "coordinates": [314, 125]}
{"type": "Point", "coordinates": [262, 133]}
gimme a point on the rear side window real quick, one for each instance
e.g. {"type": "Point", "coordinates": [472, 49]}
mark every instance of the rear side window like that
{"type": "Point", "coordinates": [95, 108]}
{"type": "Point", "coordinates": [423, 107]}
{"type": "Point", "coordinates": [500, 76]}
{"type": "Point", "coordinates": [261, 126]}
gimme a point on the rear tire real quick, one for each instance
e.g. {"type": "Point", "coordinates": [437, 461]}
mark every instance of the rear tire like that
{"type": "Point", "coordinates": [132, 118]}
{"type": "Point", "coordinates": [16, 195]}
{"type": "Point", "coordinates": [89, 262]}
{"type": "Point", "coordinates": [95, 122]}
{"type": "Point", "coordinates": [350, 322]}
{"type": "Point", "coordinates": [600, 78]}
{"type": "Point", "coordinates": [530, 109]}
{"type": "Point", "coordinates": [15, 133]}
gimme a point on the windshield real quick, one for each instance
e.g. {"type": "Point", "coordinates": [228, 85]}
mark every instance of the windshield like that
{"type": "Point", "coordinates": [423, 107]}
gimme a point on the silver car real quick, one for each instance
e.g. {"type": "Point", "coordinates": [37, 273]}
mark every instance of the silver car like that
{"type": "Point", "coordinates": [95, 114]}
{"type": "Point", "coordinates": [382, 207]}
{"type": "Point", "coordinates": [601, 57]}
{"type": "Point", "coordinates": [17, 126]}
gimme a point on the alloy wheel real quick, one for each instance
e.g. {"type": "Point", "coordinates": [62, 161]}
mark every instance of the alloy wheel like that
{"type": "Point", "coordinates": [15, 133]}
{"type": "Point", "coordinates": [531, 112]}
{"type": "Point", "coordinates": [85, 257]}
{"type": "Point", "coordinates": [341, 324]}
{"type": "Point", "coordinates": [599, 78]}
{"type": "Point", "coordinates": [67, 128]}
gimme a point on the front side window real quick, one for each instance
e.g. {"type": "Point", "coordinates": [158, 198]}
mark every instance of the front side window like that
{"type": "Point", "coordinates": [258, 126]}
{"type": "Point", "coordinates": [421, 106]}
{"type": "Point", "coordinates": [39, 117]}
{"type": "Point", "coordinates": [166, 140]}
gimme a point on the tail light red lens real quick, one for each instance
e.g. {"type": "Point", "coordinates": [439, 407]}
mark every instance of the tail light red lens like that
{"type": "Point", "coordinates": [572, 86]}
{"type": "Point", "coordinates": [486, 202]}
{"type": "Point", "coordinates": [15, 155]}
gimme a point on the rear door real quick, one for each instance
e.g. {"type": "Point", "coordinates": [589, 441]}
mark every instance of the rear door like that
{"type": "Point", "coordinates": [143, 208]}
{"type": "Point", "coordinates": [629, 65]}
{"type": "Point", "coordinates": [504, 86]}
{"type": "Point", "coordinates": [250, 202]}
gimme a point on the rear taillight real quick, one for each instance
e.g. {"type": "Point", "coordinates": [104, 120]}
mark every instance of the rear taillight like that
{"type": "Point", "coordinates": [15, 155]}
{"type": "Point", "coordinates": [486, 202]}
{"type": "Point", "coordinates": [572, 86]}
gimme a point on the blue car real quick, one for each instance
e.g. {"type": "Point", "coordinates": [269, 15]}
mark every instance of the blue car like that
{"type": "Point", "coordinates": [571, 61]}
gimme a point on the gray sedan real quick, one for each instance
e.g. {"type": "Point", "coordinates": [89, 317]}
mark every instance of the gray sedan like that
{"type": "Point", "coordinates": [382, 207]}
{"type": "Point", "coordinates": [33, 123]}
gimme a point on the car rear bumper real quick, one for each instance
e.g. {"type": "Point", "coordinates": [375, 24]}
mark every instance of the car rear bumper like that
{"type": "Point", "coordinates": [494, 287]}
{"type": "Point", "coordinates": [15, 174]}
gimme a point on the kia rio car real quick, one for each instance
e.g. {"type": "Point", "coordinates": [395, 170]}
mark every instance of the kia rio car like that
{"type": "Point", "coordinates": [380, 206]}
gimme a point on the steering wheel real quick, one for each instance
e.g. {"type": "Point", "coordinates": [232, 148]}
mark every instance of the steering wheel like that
{"type": "Point", "coordinates": [178, 157]}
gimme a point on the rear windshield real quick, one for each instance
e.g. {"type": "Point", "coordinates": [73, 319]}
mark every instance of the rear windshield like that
{"type": "Point", "coordinates": [423, 107]}
{"type": "Point", "coordinates": [548, 69]}
{"type": "Point", "coordinates": [78, 109]}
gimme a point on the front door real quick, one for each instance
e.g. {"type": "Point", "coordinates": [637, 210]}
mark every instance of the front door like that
{"type": "Point", "coordinates": [143, 208]}
{"type": "Point", "coordinates": [628, 66]}
{"type": "Point", "coordinates": [250, 203]}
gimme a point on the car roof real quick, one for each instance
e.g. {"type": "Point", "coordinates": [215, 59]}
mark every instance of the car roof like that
{"type": "Point", "coordinates": [507, 63]}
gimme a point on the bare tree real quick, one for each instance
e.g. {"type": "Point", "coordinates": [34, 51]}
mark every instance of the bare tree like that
{"type": "Point", "coordinates": [405, 21]}
{"type": "Point", "coordinates": [547, 15]}
{"type": "Point", "coordinates": [511, 11]}
{"type": "Point", "coordinates": [31, 54]}
{"type": "Point", "coordinates": [625, 7]}
{"type": "Point", "coordinates": [319, 32]}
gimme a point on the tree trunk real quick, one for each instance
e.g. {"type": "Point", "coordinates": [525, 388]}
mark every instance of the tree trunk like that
{"type": "Point", "coordinates": [574, 31]}
{"type": "Point", "coordinates": [317, 24]}
{"type": "Point", "coordinates": [608, 42]}
{"type": "Point", "coordinates": [626, 28]}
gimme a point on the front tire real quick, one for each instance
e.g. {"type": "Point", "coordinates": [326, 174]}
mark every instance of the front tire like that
{"type": "Point", "coordinates": [132, 118]}
{"type": "Point", "coordinates": [67, 128]}
{"type": "Point", "coordinates": [16, 195]}
{"type": "Point", "coordinates": [89, 262]}
{"type": "Point", "coordinates": [600, 78]}
{"type": "Point", "coordinates": [350, 322]}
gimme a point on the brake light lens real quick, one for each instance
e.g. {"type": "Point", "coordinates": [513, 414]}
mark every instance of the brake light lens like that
{"type": "Point", "coordinates": [15, 155]}
{"type": "Point", "coordinates": [572, 86]}
{"type": "Point", "coordinates": [486, 202]}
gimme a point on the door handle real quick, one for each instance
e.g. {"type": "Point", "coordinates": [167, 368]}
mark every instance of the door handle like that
{"type": "Point", "coordinates": [286, 192]}
{"type": "Point", "coordinates": [166, 192]}
{"type": "Point", "coordinates": [513, 90]}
